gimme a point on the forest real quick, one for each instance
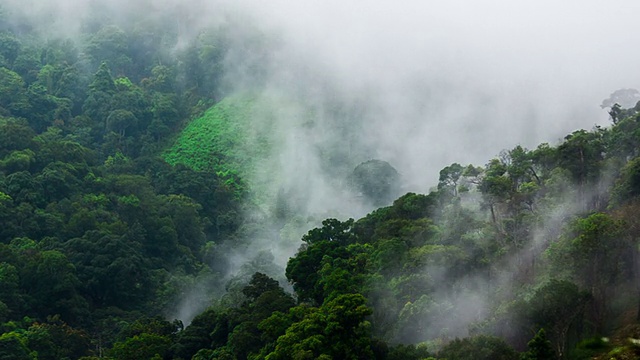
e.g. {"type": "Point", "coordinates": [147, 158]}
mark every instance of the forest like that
{"type": "Point", "coordinates": [134, 224]}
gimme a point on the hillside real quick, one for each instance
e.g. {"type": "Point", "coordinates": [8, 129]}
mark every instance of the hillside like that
{"type": "Point", "coordinates": [214, 142]}
{"type": "Point", "coordinates": [155, 206]}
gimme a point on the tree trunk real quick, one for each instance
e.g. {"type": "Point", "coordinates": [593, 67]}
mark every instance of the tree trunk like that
{"type": "Point", "coordinates": [493, 213]}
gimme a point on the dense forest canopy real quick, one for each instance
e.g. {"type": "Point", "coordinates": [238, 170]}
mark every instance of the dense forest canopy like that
{"type": "Point", "coordinates": [161, 197]}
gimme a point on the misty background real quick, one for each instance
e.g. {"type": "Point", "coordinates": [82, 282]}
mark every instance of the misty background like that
{"type": "Point", "coordinates": [436, 82]}
{"type": "Point", "coordinates": [421, 84]}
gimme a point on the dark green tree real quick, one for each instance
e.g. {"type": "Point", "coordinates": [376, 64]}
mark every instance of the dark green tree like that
{"type": "Point", "coordinates": [13, 347]}
{"type": "Point", "coordinates": [13, 94]}
{"type": "Point", "coordinates": [449, 177]}
{"type": "Point", "coordinates": [480, 347]}
{"type": "Point", "coordinates": [556, 306]}
{"type": "Point", "coordinates": [143, 346]}
{"type": "Point", "coordinates": [377, 180]}
{"type": "Point", "coordinates": [539, 348]}
{"type": "Point", "coordinates": [337, 330]}
{"type": "Point", "coordinates": [9, 48]}
{"type": "Point", "coordinates": [198, 335]}
{"type": "Point", "coordinates": [303, 270]}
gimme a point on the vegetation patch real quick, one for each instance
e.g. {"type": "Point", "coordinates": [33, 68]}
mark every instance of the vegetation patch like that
{"type": "Point", "coordinates": [214, 141]}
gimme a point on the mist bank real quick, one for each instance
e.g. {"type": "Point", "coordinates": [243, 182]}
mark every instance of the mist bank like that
{"type": "Point", "coordinates": [454, 82]}
{"type": "Point", "coordinates": [436, 83]}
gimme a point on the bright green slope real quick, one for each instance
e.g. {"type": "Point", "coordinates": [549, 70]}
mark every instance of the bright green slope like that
{"type": "Point", "coordinates": [212, 141]}
{"type": "Point", "coordinates": [243, 138]}
{"type": "Point", "coordinates": [234, 138]}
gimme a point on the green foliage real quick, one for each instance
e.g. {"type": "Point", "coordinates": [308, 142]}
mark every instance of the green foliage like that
{"type": "Point", "coordinates": [478, 348]}
{"type": "Point", "coordinates": [408, 352]}
{"type": "Point", "coordinates": [336, 330]}
{"type": "Point", "coordinates": [589, 348]}
{"type": "Point", "coordinates": [15, 135]}
{"type": "Point", "coordinates": [13, 347]}
{"type": "Point", "coordinates": [304, 270]}
{"type": "Point", "coordinates": [13, 94]}
{"type": "Point", "coordinates": [449, 177]}
{"type": "Point", "coordinates": [89, 229]}
{"type": "Point", "coordinates": [143, 346]}
{"type": "Point", "coordinates": [99, 235]}
{"type": "Point", "coordinates": [242, 331]}
{"type": "Point", "coordinates": [539, 348]}
{"type": "Point", "coordinates": [628, 185]}
{"type": "Point", "coordinates": [556, 306]}
{"type": "Point", "coordinates": [57, 340]}
{"type": "Point", "coordinates": [197, 335]}
{"type": "Point", "coordinates": [581, 154]}
{"type": "Point", "coordinates": [377, 180]}
{"type": "Point", "coordinates": [213, 141]}
{"type": "Point", "coordinates": [10, 46]}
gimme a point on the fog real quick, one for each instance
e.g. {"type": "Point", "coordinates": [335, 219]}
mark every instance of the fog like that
{"type": "Point", "coordinates": [441, 82]}
{"type": "Point", "coordinates": [456, 82]}
{"type": "Point", "coordinates": [424, 83]}
{"type": "Point", "coordinates": [435, 83]}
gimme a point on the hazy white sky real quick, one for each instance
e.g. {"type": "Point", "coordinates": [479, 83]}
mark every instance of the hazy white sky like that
{"type": "Point", "coordinates": [460, 81]}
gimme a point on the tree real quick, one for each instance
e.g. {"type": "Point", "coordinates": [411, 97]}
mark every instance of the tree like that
{"type": "Point", "coordinates": [264, 298]}
{"type": "Point", "coordinates": [480, 347]}
{"type": "Point", "coordinates": [539, 348]}
{"type": "Point", "coordinates": [595, 252]}
{"type": "Point", "coordinates": [337, 330]}
{"type": "Point", "coordinates": [23, 187]}
{"type": "Point", "coordinates": [57, 80]}
{"type": "Point", "coordinates": [52, 285]}
{"type": "Point", "coordinates": [495, 186]}
{"type": "Point", "coordinates": [259, 284]}
{"type": "Point", "coordinates": [102, 80]}
{"type": "Point", "coordinates": [631, 241]}
{"type": "Point", "coordinates": [544, 160]}
{"type": "Point", "coordinates": [582, 154]}
{"type": "Point", "coordinates": [9, 48]}
{"type": "Point", "coordinates": [13, 94]}
{"type": "Point", "coordinates": [10, 294]}
{"type": "Point", "coordinates": [20, 160]}
{"type": "Point", "coordinates": [61, 150]}
{"type": "Point", "coordinates": [449, 177]}
{"type": "Point", "coordinates": [119, 120]}
{"type": "Point", "coordinates": [377, 180]}
{"type": "Point", "coordinates": [111, 269]}
{"type": "Point", "coordinates": [15, 134]}
{"type": "Point", "coordinates": [345, 275]}
{"type": "Point", "coordinates": [110, 45]}
{"type": "Point", "coordinates": [99, 102]}
{"type": "Point", "coordinates": [55, 339]}
{"type": "Point", "coordinates": [198, 335]}
{"type": "Point", "coordinates": [143, 346]}
{"type": "Point", "coordinates": [59, 180]}
{"type": "Point", "coordinates": [27, 64]}
{"type": "Point", "coordinates": [303, 270]}
{"type": "Point", "coordinates": [162, 80]}
{"type": "Point", "coordinates": [13, 347]}
{"type": "Point", "coordinates": [44, 108]}
{"type": "Point", "coordinates": [556, 306]}
{"type": "Point", "coordinates": [622, 97]}
{"type": "Point", "coordinates": [622, 140]}
{"type": "Point", "coordinates": [627, 187]}
{"type": "Point", "coordinates": [332, 230]}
